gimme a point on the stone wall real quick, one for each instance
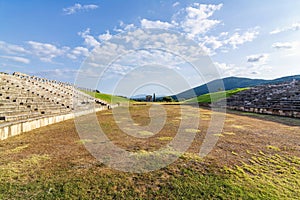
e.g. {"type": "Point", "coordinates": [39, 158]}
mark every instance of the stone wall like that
{"type": "Point", "coordinates": [15, 128]}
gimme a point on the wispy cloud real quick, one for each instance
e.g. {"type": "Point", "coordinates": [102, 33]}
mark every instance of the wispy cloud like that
{"type": "Point", "coordinates": [240, 38]}
{"type": "Point", "coordinates": [293, 27]}
{"type": "Point", "coordinates": [57, 74]}
{"type": "Point", "coordinates": [283, 45]}
{"type": "Point", "coordinates": [78, 52]}
{"type": "Point", "coordinates": [257, 58]}
{"type": "Point", "coordinates": [155, 24]}
{"type": "Point", "coordinates": [12, 48]}
{"type": "Point", "coordinates": [228, 69]}
{"type": "Point", "coordinates": [17, 59]}
{"type": "Point", "coordinates": [176, 4]}
{"type": "Point", "coordinates": [46, 52]}
{"type": "Point", "coordinates": [78, 7]}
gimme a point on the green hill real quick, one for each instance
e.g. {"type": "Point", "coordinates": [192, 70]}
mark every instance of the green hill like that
{"type": "Point", "coordinates": [215, 96]}
{"type": "Point", "coordinates": [111, 99]}
{"type": "Point", "coordinates": [229, 83]}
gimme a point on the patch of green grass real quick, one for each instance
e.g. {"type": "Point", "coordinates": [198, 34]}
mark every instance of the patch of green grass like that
{"type": "Point", "coordinates": [146, 133]}
{"type": "Point", "coordinates": [229, 133]}
{"type": "Point", "coordinates": [191, 156]}
{"type": "Point", "coordinates": [218, 135]}
{"type": "Point", "coordinates": [273, 148]}
{"type": "Point", "coordinates": [16, 150]}
{"type": "Point", "coordinates": [190, 130]}
{"type": "Point", "coordinates": [264, 177]}
{"type": "Point", "coordinates": [21, 170]}
{"type": "Point", "coordinates": [83, 141]}
{"type": "Point", "coordinates": [111, 99]}
{"type": "Point", "coordinates": [165, 138]}
{"type": "Point", "coordinates": [215, 96]}
{"type": "Point", "coordinates": [268, 177]}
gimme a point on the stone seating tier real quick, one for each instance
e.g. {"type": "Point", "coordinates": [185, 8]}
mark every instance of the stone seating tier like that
{"type": "Point", "coordinates": [23, 96]}
{"type": "Point", "coordinates": [282, 99]}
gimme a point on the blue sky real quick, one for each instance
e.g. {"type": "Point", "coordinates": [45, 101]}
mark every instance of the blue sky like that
{"type": "Point", "coordinates": [256, 39]}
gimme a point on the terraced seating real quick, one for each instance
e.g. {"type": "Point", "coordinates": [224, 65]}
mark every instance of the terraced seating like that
{"type": "Point", "coordinates": [24, 97]}
{"type": "Point", "coordinates": [281, 99]}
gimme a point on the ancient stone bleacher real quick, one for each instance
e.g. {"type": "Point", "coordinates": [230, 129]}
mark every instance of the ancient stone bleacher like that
{"type": "Point", "coordinates": [277, 99]}
{"type": "Point", "coordinates": [24, 97]}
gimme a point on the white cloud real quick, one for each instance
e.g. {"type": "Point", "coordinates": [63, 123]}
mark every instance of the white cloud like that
{"type": "Point", "coordinates": [155, 24]}
{"type": "Point", "coordinates": [78, 7]}
{"type": "Point", "coordinates": [293, 27]}
{"type": "Point", "coordinates": [80, 51]}
{"type": "Point", "coordinates": [193, 21]}
{"type": "Point", "coordinates": [258, 58]}
{"type": "Point", "coordinates": [89, 40]}
{"type": "Point", "coordinates": [176, 4]}
{"type": "Point", "coordinates": [196, 18]}
{"type": "Point", "coordinates": [240, 38]}
{"type": "Point", "coordinates": [58, 74]}
{"type": "Point", "coordinates": [129, 27]}
{"type": "Point", "coordinates": [46, 52]}
{"type": "Point", "coordinates": [12, 48]}
{"type": "Point", "coordinates": [124, 27]}
{"type": "Point", "coordinates": [225, 41]}
{"type": "Point", "coordinates": [77, 52]}
{"type": "Point", "coordinates": [226, 69]}
{"type": "Point", "coordinates": [212, 43]}
{"type": "Point", "coordinates": [223, 66]}
{"type": "Point", "coordinates": [17, 59]}
{"type": "Point", "coordinates": [105, 36]}
{"type": "Point", "coordinates": [283, 45]}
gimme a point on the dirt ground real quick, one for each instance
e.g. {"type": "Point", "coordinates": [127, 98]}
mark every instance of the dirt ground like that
{"type": "Point", "coordinates": [240, 134]}
{"type": "Point", "coordinates": [59, 148]}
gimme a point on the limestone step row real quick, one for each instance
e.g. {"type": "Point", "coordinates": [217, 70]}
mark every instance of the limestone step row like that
{"type": "Point", "coordinates": [21, 95]}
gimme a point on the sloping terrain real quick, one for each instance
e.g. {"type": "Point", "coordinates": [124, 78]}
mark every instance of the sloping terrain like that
{"type": "Point", "coordinates": [111, 99]}
{"type": "Point", "coordinates": [229, 84]}
{"type": "Point", "coordinates": [216, 96]}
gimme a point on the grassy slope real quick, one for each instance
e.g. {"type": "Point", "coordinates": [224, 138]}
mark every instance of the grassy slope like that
{"type": "Point", "coordinates": [212, 97]}
{"type": "Point", "coordinates": [108, 98]}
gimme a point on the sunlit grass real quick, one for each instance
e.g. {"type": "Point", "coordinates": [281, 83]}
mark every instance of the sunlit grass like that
{"type": "Point", "coordinates": [213, 97]}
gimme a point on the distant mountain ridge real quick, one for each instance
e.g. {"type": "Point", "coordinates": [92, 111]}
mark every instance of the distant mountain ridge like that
{"type": "Point", "coordinates": [229, 84]}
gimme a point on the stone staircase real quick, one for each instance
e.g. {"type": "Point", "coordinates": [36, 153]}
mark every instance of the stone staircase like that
{"type": "Point", "coordinates": [25, 97]}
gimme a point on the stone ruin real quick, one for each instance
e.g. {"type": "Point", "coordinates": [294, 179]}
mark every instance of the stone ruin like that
{"type": "Point", "coordinates": [276, 99]}
{"type": "Point", "coordinates": [24, 98]}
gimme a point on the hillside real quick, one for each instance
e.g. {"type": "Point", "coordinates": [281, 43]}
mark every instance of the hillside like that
{"type": "Point", "coordinates": [207, 98]}
{"type": "Point", "coordinates": [229, 84]}
{"type": "Point", "coordinates": [111, 99]}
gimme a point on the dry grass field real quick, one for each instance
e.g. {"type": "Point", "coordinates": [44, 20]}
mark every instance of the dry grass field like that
{"type": "Point", "coordinates": [253, 159]}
